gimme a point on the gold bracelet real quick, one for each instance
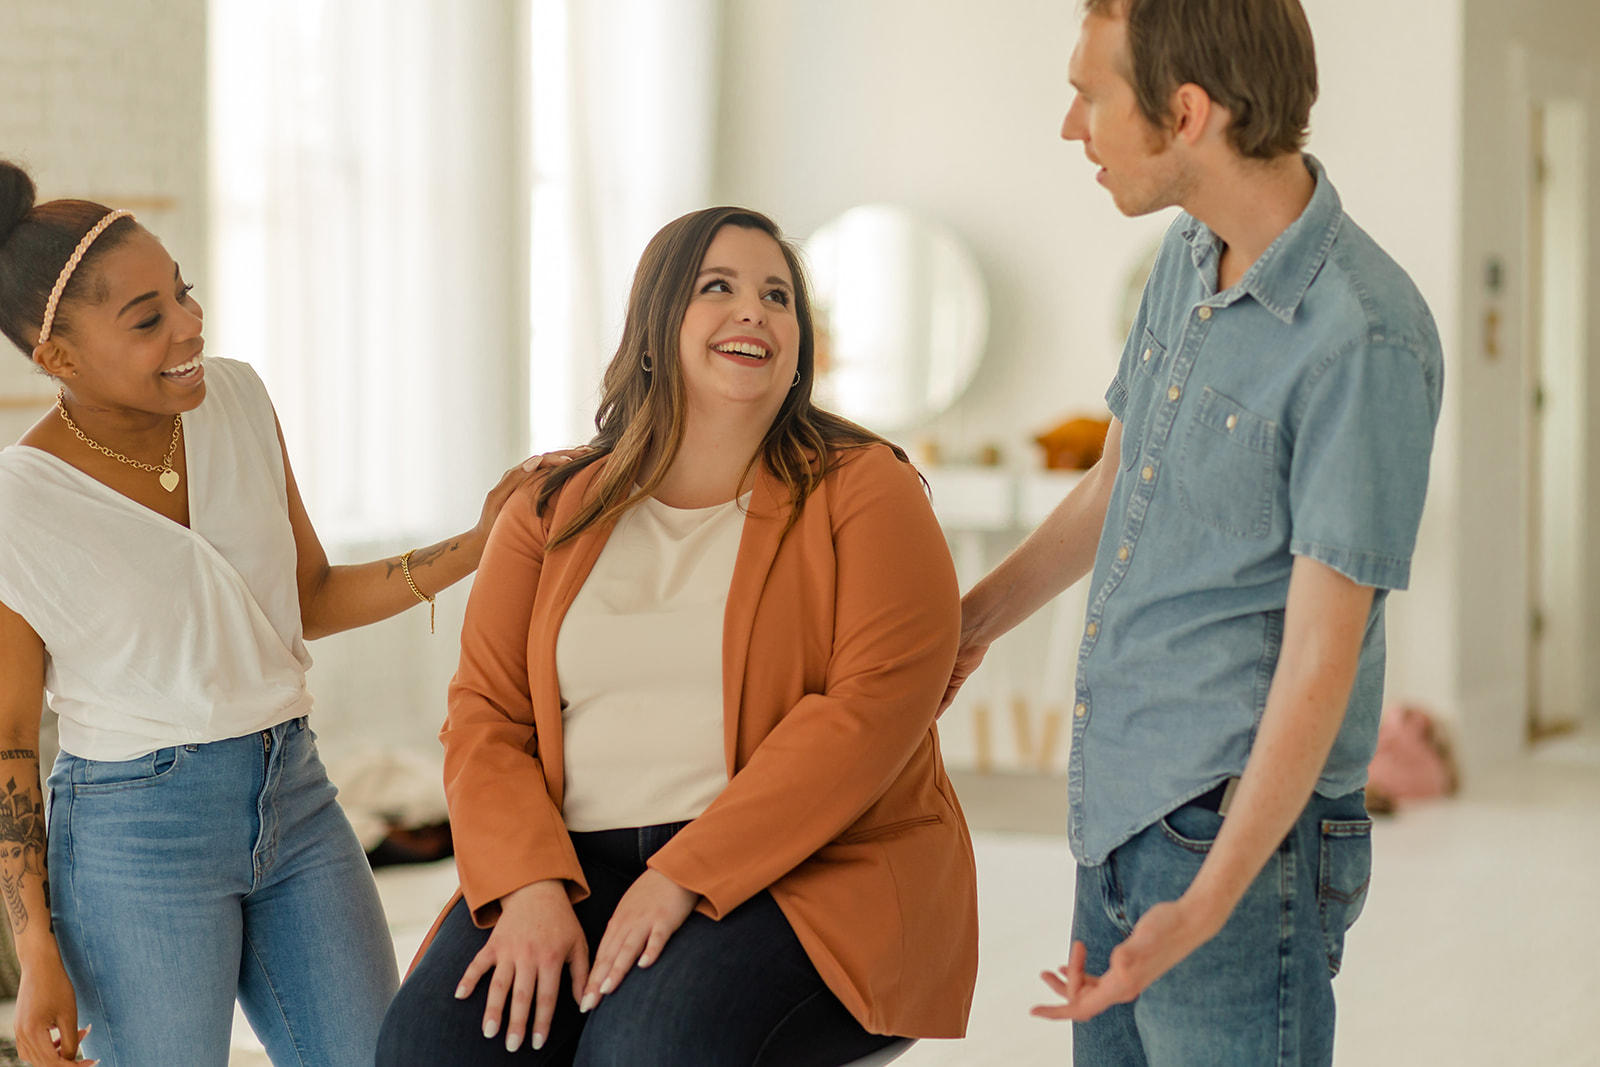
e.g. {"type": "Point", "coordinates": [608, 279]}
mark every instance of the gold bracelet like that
{"type": "Point", "coordinates": [405, 569]}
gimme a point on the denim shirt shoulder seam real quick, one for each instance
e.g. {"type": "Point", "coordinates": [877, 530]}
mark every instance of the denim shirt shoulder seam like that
{"type": "Point", "coordinates": [1399, 343]}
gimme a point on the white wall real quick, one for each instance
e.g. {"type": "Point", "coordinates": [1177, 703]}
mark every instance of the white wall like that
{"type": "Point", "coordinates": [954, 109]}
{"type": "Point", "coordinates": [1388, 125]}
{"type": "Point", "coordinates": [105, 100]}
{"type": "Point", "coordinates": [1490, 627]}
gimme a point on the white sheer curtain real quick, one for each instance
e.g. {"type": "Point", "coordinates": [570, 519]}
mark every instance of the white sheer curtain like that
{"type": "Point", "coordinates": [622, 134]}
{"type": "Point", "coordinates": [425, 219]}
{"type": "Point", "coordinates": [369, 241]}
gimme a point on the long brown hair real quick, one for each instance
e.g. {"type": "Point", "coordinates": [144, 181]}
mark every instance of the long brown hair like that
{"type": "Point", "coordinates": [642, 411]}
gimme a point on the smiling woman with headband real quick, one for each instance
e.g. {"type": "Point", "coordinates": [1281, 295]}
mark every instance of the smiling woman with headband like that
{"type": "Point", "coordinates": [158, 579]}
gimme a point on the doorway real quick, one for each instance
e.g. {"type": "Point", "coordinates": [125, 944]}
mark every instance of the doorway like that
{"type": "Point", "coordinates": [1556, 391]}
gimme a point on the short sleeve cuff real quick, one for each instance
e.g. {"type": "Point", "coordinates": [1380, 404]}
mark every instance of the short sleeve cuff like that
{"type": "Point", "coordinates": [1117, 399]}
{"type": "Point", "coordinates": [1364, 568]}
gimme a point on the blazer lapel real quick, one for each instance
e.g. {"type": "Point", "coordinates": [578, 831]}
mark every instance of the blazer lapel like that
{"type": "Point", "coordinates": [758, 548]}
{"type": "Point", "coordinates": [565, 570]}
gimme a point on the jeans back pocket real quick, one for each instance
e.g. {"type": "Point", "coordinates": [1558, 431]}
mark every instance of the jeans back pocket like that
{"type": "Point", "coordinates": [1344, 872]}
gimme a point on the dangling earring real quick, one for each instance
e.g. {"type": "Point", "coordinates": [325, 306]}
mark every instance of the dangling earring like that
{"type": "Point", "coordinates": [796, 380]}
{"type": "Point", "coordinates": [644, 361]}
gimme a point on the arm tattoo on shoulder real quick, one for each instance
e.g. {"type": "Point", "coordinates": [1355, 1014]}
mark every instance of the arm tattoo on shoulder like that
{"type": "Point", "coordinates": [22, 848]}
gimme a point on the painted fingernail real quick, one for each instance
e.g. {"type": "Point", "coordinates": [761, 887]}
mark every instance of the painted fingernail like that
{"type": "Point", "coordinates": [491, 1027]}
{"type": "Point", "coordinates": [607, 986]}
{"type": "Point", "coordinates": [537, 1043]}
{"type": "Point", "coordinates": [513, 1042]}
{"type": "Point", "coordinates": [531, 463]}
{"type": "Point", "coordinates": [461, 992]}
{"type": "Point", "coordinates": [589, 1001]}
{"type": "Point", "coordinates": [645, 961]}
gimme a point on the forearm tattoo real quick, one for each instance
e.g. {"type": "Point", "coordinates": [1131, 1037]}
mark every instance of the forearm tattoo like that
{"type": "Point", "coordinates": [22, 842]}
{"type": "Point", "coordinates": [422, 557]}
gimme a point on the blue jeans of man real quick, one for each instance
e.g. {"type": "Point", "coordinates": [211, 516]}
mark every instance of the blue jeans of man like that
{"type": "Point", "coordinates": [201, 873]}
{"type": "Point", "coordinates": [734, 992]}
{"type": "Point", "coordinates": [1259, 993]}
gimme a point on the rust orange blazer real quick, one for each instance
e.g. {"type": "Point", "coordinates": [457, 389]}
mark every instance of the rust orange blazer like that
{"type": "Point", "coordinates": [837, 645]}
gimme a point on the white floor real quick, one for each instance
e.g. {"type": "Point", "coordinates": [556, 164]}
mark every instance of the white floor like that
{"type": "Point", "coordinates": [1480, 943]}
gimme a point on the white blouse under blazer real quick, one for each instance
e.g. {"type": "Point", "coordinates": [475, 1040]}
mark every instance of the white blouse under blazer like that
{"type": "Point", "coordinates": [157, 635]}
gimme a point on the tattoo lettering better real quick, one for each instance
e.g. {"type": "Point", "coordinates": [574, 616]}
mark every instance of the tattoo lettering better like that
{"type": "Point", "coordinates": [22, 844]}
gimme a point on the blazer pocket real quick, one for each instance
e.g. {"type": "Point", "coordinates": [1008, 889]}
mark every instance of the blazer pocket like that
{"type": "Point", "coordinates": [888, 829]}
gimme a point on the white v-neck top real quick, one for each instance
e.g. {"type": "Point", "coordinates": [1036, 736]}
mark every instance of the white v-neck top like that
{"type": "Point", "coordinates": [154, 634]}
{"type": "Point", "coordinates": [639, 658]}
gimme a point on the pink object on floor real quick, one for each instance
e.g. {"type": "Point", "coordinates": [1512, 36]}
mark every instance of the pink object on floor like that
{"type": "Point", "coordinates": [1413, 760]}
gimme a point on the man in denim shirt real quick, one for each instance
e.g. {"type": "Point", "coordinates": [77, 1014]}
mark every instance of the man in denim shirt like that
{"type": "Point", "coordinates": [1260, 492]}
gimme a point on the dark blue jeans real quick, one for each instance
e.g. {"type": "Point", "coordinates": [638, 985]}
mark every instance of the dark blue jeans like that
{"type": "Point", "coordinates": [739, 992]}
{"type": "Point", "coordinates": [1261, 991]}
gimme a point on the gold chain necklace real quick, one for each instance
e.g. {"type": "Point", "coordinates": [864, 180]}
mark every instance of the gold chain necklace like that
{"type": "Point", "coordinates": [169, 477]}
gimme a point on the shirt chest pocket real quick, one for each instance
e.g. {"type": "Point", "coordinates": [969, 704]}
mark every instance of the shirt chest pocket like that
{"type": "Point", "coordinates": [1228, 468]}
{"type": "Point", "coordinates": [1142, 393]}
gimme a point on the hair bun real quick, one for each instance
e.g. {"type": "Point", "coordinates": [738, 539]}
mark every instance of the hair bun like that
{"type": "Point", "coordinates": [16, 197]}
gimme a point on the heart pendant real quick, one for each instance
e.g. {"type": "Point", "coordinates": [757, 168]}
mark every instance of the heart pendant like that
{"type": "Point", "coordinates": [169, 480]}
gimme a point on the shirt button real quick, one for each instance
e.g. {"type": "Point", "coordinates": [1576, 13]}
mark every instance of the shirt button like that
{"type": "Point", "coordinates": [1147, 473]}
{"type": "Point", "coordinates": [1205, 313]}
{"type": "Point", "coordinates": [1092, 629]}
{"type": "Point", "coordinates": [1146, 355]}
{"type": "Point", "coordinates": [1122, 553]}
{"type": "Point", "coordinates": [1174, 393]}
{"type": "Point", "coordinates": [1080, 711]}
{"type": "Point", "coordinates": [1232, 421]}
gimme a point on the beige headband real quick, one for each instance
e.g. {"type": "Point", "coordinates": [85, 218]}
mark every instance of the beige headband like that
{"type": "Point", "coordinates": [72, 264]}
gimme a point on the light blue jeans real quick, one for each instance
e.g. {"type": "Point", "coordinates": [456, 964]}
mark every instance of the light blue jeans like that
{"type": "Point", "coordinates": [199, 873]}
{"type": "Point", "coordinates": [1260, 993]}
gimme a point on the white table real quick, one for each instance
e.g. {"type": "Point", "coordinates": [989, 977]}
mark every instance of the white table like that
{"type": "Point", "coordinates": [1029, 674]}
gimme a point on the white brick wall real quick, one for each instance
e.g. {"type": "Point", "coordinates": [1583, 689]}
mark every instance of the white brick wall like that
{"type": "Point", "coordinates": [106, 99]}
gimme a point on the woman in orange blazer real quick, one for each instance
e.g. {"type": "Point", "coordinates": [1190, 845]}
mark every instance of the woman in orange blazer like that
{"type": "Point", "coordinates": [813, 892]}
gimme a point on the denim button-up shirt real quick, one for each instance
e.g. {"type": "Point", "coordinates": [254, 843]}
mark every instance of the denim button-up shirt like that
{"type": "Point", "coordinates": [1291, 415]}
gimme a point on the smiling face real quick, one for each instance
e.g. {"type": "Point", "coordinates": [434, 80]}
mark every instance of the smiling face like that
{"type": "Point", "coordinates": [137, 349]}
{"type": "Point", "coordinates": [1140, 165]}
{"type": "Point", "coordinates": [739, 343]}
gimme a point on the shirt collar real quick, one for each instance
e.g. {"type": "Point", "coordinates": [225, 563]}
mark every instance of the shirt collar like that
{"type": "Point", "coordinates": [1279, 279]}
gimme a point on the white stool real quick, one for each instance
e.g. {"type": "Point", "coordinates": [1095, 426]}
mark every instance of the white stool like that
{"type": "Point", "coordinates": [885, 1054]}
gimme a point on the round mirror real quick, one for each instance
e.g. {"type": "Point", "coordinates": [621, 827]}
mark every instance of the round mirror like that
{"type": "Point", "coordinates": [901, 316]}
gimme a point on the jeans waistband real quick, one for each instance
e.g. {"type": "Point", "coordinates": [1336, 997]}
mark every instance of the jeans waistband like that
{"type": "Point", "coordinates": [626, 849]}
{"type": "Point", "coordinates": [1217, 798]}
